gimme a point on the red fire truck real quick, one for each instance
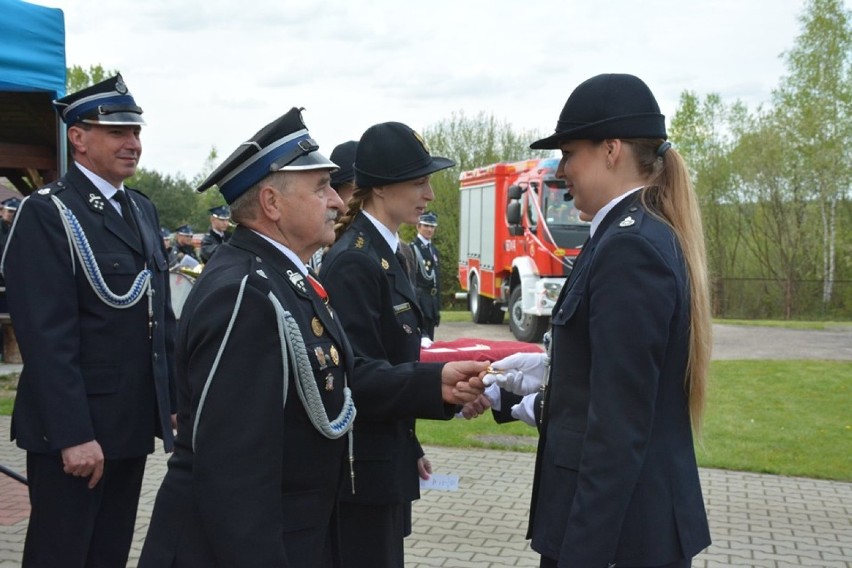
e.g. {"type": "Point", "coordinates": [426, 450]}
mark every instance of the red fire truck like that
{"type": "Point", "coordinates": [519, 234]}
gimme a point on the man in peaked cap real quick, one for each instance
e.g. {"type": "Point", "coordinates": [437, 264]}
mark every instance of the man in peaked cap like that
{"type": "Point", "coordinates": [183, 251]}
{"type": "Point", "coordinates": [427, 279]}
{"type": "Point", "coordinates": [262, 371]}
{"type": "Point", "coordinates": [96, 332]}
{"type": "Point", "coordinates": [220, 218]}
{"type": "Point", "coordinates": [7, 216]}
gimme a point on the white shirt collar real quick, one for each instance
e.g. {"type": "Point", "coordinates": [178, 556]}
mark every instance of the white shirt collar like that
{"type": "Point", "coordinates": [106, 188]}
{"type": "Point", "coordinates": [287, 252]}
{"type": "Point", "coordinates": [391, 238]}
{"type": "Point", "coordinates": [424, 239]}
{"type": "Point", "coordinates": [599, 216]}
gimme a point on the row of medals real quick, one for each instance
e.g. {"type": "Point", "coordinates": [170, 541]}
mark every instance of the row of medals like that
{"type": "Point", "coordinates": [321, 355]}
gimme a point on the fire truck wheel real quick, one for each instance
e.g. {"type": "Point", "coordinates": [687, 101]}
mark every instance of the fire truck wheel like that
{"type": "Point", "coordinates": [525, 327]}
{"type": "Point", "coordinates": [481, 308]}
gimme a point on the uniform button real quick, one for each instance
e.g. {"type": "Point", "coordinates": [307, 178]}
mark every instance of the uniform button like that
{"type": "Point", "coordinates": [156, 356]}
{"type": "Point", "coordinates": [156, 323]}
{"type": "Point", "coordinates": [115, 265]}
{"type": "Point", "coordinates": [410, 433]}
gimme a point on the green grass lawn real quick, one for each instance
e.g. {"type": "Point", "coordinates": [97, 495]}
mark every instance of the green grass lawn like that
{"type": "Point", "coordinates": [782, 417]}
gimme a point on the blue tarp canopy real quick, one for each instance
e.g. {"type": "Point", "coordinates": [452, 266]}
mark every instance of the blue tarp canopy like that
{"type": "Point", "coordinates": [32, 48]}
{"type": "Point", "coordinates": [32, 75]}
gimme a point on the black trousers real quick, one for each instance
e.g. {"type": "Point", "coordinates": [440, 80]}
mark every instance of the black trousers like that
{"type": "Point", "coordinates": [76, 527]}
{"type": "Point", "coordinates": [686, 563]}
{"type": "Point", "coordinates": [372, 535]}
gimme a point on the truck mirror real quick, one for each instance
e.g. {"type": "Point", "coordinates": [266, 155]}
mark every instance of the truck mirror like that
{"type": "Point", "coordinates": [513, 213]}
{"type": "Point", "coordinates": [514, 192]}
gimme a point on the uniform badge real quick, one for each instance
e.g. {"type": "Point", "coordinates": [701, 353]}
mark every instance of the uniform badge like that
{"type": "Point", "coordinates": [627, 222]}
{"type": "Point", "coordinates": [407, 328]}
{"type": "Point", "coordinates": [385, 264]}
{"type": "Point", "coordinates": [298, 281]}
{"type": "Point", "coordinates": [335, 356]}
{"type": "Point", "coordinates": [120, 87]}
{"type": "Point", "coordinates": [44, 191]}
{"type": "Point", "coordinates": [96, 201]}
{"type": "Point", "coordinates": [320, 357]}
{"type": "Point", "coordinates": [359, 242]}
{"type": "Point", "coordinates": [317, 327]}
{"type": "Point", "coordinates": [329, 382]}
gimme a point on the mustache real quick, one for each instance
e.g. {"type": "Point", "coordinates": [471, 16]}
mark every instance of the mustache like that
{"type": "Point", "coordinates": [331, 215]}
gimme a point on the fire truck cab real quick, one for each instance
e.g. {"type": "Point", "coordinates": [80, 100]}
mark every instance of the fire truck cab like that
{"type": "Point", "coordinates": [519, 234]}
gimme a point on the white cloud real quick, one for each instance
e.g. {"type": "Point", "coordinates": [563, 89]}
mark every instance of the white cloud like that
{"type": "Point", "coordinates": [213, 72]}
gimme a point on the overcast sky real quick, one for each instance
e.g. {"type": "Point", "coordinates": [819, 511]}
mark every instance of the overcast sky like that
{"type": "Point", "coordinates": [213, 72]}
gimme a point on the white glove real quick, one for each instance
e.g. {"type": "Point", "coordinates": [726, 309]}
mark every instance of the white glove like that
{"type": "Point", "coordinates": [519, 373]}
{"type": "Point", "coordinates": [525, 410]}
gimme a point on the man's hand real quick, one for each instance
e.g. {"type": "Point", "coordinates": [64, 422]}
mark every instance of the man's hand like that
{"type": "Point", "coordinates": [460, 382]}
{"type": "Point", "coordinates": [424, 468]}
{"type": "Point", "coordinates": [476, 408]}
{"type": "Point", "coordinates": [85, 460]}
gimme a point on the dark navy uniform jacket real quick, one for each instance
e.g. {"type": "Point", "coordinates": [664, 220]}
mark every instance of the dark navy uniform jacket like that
{"type": "Point", "coordinates": [91, 371]}
{"type": "Point", "coordinates": [210, 242]}
{"type": "Point", "coordinates": [616, 478]}
{"type": "Point", "coordinates": [372, 293]}
{"type": "Point", "coordinates": [260, 484]}
{"type": "Point", "coordinates": [427, 279]}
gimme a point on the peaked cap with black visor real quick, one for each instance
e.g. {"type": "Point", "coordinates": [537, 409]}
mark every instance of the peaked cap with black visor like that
{"type": "Point", "coordinates": [607, 106]}
{"type": "Point", "coordinates": [282, 145]}
{"type": "Point", "coordinates": [105, 103]}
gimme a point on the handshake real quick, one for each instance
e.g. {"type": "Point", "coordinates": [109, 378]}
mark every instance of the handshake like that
{"type": "Point", "coordinates": [519, 373]}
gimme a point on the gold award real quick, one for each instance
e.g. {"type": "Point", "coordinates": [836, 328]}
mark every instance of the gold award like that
{"type": "Point", "coordinates": [335, 356]}
{"type": "Point", "coordinates": [385, 264]}
{"type": "Point", "coordinates": [316, 327]}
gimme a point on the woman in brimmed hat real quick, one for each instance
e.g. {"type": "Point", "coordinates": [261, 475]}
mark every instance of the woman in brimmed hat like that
{"type": "Point", "coordinates": [616, 479]}
{"type": "Point", "coordinates": [371, 291]}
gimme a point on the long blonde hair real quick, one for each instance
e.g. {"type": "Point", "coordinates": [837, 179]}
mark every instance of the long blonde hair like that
{"type": "Point", "coordinates": [670, 195]}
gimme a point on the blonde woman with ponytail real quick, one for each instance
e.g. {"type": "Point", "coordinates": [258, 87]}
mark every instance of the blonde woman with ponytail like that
{"type": "Point", "coordinates": [616, 480]}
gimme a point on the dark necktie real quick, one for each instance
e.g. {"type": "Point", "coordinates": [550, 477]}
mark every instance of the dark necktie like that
{"type": "Point", "coordinates": [127, 211]}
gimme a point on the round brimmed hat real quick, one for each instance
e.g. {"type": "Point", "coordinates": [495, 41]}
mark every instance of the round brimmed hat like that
{"type": "Point", "coordinates": [282, 145]}
{"type": "Point", "coordinates": [108, 102]}
{"type": "Point", "coordinates": [391, 152]}
{"type": "Point", "coordinates": [607, 106]}
{"type": "Point", "coordinates": [344, 156]}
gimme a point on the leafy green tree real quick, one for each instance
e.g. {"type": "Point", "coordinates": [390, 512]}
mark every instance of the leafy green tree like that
{"type": "Point", "coordinates": [471, 142]}
{"type": "Point", "coordinates": [174, 197]}
{"type": "Point", "coordinates": [79, 78]}
{"type": "Point", "coordinates": [814, 114]}
{"type": "Point", "coordinates": [703, 131]}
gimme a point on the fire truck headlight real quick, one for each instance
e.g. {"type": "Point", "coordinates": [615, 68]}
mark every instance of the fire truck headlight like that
{"type": "Point", "coordinates": [551, 290]}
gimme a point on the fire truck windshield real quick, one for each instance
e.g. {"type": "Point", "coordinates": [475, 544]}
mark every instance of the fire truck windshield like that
{"type": "Point", "coordinates": [557, 205]}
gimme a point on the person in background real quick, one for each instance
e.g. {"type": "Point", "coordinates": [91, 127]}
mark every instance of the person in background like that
{"type": "Point", "coordinates": [220, 218]}
{"type": "Point", "coordinates": [183, 252]}
{"type": "Point", "coordinates": [616, 481]}
{"type": "Point", "coordinates": [7, 217]}
{"type": "Point", "coordinates": [377, 306]}
{"type": "Point", "coordinates": [427, 279]}
{"type": "Point", "coordinates": [265, 411]}
{"type": "Point", "coordinates": [166, 235]}
{"type": "Point", "coordinates": [96, 331]}
{"type": "Point", "coordinates": [343, 182]}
